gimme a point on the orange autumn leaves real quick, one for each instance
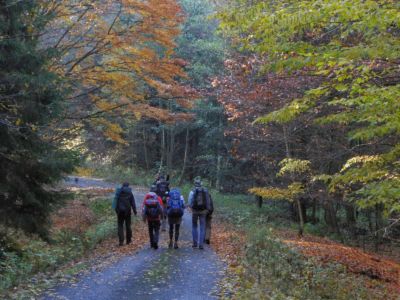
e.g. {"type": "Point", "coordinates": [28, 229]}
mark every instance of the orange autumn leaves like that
{"type": "Point", "coordinates": [116, 55]}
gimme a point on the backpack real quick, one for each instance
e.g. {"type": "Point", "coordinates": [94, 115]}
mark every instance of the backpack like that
{"type": "Point", "coordinates": [175, 209]}
{"type": "Point", "coordinates": [152, 208]}
{"type": "Point", "coordinates": [124, 203]}
{"type": "Point", "coordinates": [162, 188]}
{"type": "Point", "coordinates": [200, 199]}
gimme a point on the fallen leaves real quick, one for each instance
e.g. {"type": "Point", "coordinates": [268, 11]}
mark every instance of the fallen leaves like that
{"type": "Point", "coordinates": [355, 260]}
{"type": "Point", "coordinates": [76, 216]}
{"type": "Point", "coordinates": [228, 242]}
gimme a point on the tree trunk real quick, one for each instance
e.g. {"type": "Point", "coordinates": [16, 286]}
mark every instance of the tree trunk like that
{"type": "Point", "coordinates": [314, 211]}
{"type": "Point", "coordinates": [162, 149]}
{"type": "Point", "coordinates": [350, 215]}
{"type": "Point", "coordinates": [330, 216]}
{"type": "Point", "coordinates": [146, 157]}
{"type": "Point", "coordinates": [300, 215]}
{"type": "Point", "coordinates": [259, 201]}
{"type": "Point", "coordinates": [185, 156]}
{"type": "Point", "coordinates": [171, 149]}
{"type": "Point", "coordinates": [219, 167]}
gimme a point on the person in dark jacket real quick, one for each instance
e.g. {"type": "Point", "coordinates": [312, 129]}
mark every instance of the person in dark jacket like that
{"type": "Point", "coordinates": [162, 192]}
{"type": "Point", "coordinates": [124, 204]}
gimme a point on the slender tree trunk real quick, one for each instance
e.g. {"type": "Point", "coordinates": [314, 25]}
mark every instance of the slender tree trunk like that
{"type": "Point", "coordinates": [259, 201]}
{"type": "Point", "coordinates": [162, 149]}
{"type": "Point", "coordinates": [314, 211]}
{"type": "Point", "coordinates": [301, 217]}
{"type": "Point", "coordinates": [171, 149]}
{"type": "Point", "coordinates": [146, 157]}
{"type": "Point", "coordinates": [219, 167]}
{"type": "Point", "coordinates": [185, 156]}
{"type": "Point", "coordinates": [330, 215]}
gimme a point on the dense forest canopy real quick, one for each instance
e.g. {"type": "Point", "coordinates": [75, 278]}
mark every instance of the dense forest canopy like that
{"type": "Point", "coordinates": [290, 100]}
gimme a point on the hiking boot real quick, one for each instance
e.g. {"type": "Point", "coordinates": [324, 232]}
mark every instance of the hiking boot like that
{"type": "Point", "coordinates": [170, 244]}
{"type": "Point", "coordinates": [194, 245]}
{"type": "Point", "coordinates": [155, 246]}
{"type": "Point", "coordinates": [207, 242]}
{"type": "Point", "coordinates": [201, 247]}
{"type": "Point", "coordinates": [128, 242]}
{"type": "Point", "coordinates": [120, 244]}
{"type": "Point", "coordinates": [176, 245]}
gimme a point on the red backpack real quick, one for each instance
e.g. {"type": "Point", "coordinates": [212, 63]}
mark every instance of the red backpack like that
{"type": "Point", "coordinates": [152, 208]}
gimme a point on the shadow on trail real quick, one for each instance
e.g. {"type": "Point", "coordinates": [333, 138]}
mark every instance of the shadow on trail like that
{"type": "Point", "coordinates": [183, 273]}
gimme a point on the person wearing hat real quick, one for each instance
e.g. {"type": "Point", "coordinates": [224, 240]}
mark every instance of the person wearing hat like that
{"type": "Point", "coordinates": [199, 202]}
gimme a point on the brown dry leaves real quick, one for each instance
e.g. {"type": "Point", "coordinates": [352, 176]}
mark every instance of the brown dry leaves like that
{"type": "Point", "coordinates": [139, 239]}
{"type": "Point", "coordinates": [76, 216]}
{"type": "Point", "coordinates": [355, 260]}
{"type": "Point", "coordinates": [228, 242]}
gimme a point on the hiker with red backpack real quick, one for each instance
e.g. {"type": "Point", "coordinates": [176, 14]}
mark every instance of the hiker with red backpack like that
{"type": "Point", "coordinates": [152, 212]}
{"type": "Point", "coordinates": [175, 211]}
{"type": "Point", "coordinates": [199, 202]}
{"type": "Point", "coordinates": [124, 204]}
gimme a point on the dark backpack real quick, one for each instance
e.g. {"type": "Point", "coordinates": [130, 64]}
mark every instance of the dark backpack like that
{"type": "Point", "coordinates": [124, 203]}
{"type": "Point", "coordinates": [200, 199]}
{"type": "Point", "coordinates": [175, 209]}
{"type": "Point", "coordinates": [152, 208]}
{"type": "Point", "coordinates": [162, 188]}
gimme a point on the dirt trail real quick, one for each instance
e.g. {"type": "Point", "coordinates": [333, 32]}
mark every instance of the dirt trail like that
{"type": "Point", "coordinates": [184, 273]}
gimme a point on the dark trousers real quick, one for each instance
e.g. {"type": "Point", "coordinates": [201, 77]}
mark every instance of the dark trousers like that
{"type": "Point", "coordinates": [122, 218]}
{"type": "Point", "coordinates": [154, 232]}
{"type": "Point", "coordinates": [171, 231]}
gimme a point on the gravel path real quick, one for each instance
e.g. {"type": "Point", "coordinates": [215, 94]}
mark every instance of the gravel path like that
{"type": "Point", "coordinates": [184, 273]}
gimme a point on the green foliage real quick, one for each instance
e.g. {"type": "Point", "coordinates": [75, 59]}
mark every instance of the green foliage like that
{"type": "Point", "coordinates": [23, 256]}
{"type": "Point", "coordinates": [353, 48]}
{"type": "Point", "coordinates": [199, 43]}
{"type": "Point", "coordinates": [30, 100]}
{"type": "Point", "coordinates": [294, 166]}
{"type": "Point", "coordinates": [293, 190]}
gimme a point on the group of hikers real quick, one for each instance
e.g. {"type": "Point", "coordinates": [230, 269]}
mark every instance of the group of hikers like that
{"type": "Point", "coordinates": [162, 204]}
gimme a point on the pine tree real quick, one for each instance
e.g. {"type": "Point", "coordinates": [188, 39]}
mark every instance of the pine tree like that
{"type": "Point", "coordinates": [30, 99]}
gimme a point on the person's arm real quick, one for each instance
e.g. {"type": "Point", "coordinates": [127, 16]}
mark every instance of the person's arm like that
{"type": "Point", "coordinates": [133, 204]}
{"type": "Point", "coordinates": [183, 203]}
{"type": "Point", "coordinates": [190, 199]}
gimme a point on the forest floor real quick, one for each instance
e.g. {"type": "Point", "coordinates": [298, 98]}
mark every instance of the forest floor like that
{"type": "Point", "coordinates": [135, 271]}
{"type": "Point", "coordinates": [375, 270]}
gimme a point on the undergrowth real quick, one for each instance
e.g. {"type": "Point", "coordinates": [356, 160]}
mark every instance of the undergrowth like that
{"type": "Point", "coordinates": [270, 269]}
{"type": "Point", "coordinates": [23, 256]}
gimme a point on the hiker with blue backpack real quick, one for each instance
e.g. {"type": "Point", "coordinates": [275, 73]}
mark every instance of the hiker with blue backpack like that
{"type": "Point", "coordinates": [199, 202]}
{"type": "Point", "coordinates": [152, 212]}
{"type": "Point", "coordinates": [175, 211]}
{"type": "Point", "coordinates": [124, 204]}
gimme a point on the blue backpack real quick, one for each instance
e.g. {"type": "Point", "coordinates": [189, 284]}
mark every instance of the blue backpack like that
{"type": "Point", "coordinates": [175, 204]}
